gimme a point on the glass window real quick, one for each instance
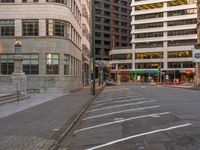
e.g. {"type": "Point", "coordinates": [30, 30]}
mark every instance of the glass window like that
{"type": "Point", "coordinates": [66, 2]}
{"type": "Point", "coordinates": [30, 27]}
{"type": "Point", "coordinates": [149, 55]}
{"type": "Point", "coordinates": [182, 22]}
{"type": "Point", "coordinates": [148, 35]}
{"type": "Point", "coordinates": [182, 32]}
{"type": "Point", "coordinates": [30, 1]}
{"type": "Point", "coordinates": [7, 64]}
{"type": "Point", "coordinates": [181, 12]}
{"type": "Point", "coordinates": [124, 66]}
{"type": "Point", "coordinates": [58, 28]}
{"type": "Point", "coordinates": [66, 64]}
{"type": "Point", "coordinates": [7, 1]}
{"type": "Point", "coordinates": [7, 28]}
{"type": "Point", "coordinates": [31, 64]}
{"type": "Point", "coordinates": [181, 2]}
{"type": "Point", "coordinates": [52, 63]}
{"type": "Point", "coordinates": [148, 44]}
{"type": "Point", "coordinates": [181, 42]}
{"type": "Point", "coordinates": [154, 65]}
{"type": "Point", "coordinates": [179, 54]}
{"type": "Point", "coordinates": [181, 65]}
{"type": "Point", "coordinates": [149, 6]}
{"type": "Point", "coordinates": [149, 25]}
{"type": "Point", "coordinates": [121, 56]}
{"type": "Point", "coordinates": [149, 16]}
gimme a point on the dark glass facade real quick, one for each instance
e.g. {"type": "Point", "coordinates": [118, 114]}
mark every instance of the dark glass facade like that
{"type": "Point", "coordinates": [112, 26]}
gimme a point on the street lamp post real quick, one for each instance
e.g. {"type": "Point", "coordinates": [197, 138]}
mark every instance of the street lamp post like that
{"type": "Point", "coordinates": [93, 48]}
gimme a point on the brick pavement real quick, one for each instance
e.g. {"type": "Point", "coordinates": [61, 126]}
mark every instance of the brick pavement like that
{"type": "Point", "coordinates": [37, 128]}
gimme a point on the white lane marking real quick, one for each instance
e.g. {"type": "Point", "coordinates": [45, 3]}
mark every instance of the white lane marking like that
{"type": "Point", "coordinates": [115, 102]}
{"type": "Point", "coordinates": [112, 99]}
{"type": "Point", "coordinates": [123, 111]}
{"type": "Point", "coordinates": [120, 121]}
{"type": "Point", "coordinates": [98, 109]}
{"type": "Point", "coordinates": [118, 97]}
{"type": "Point", "coordinates": [139, 135]}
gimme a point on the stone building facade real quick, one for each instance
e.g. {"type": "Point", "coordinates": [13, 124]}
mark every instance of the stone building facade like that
{"type": "Point", "coordinates": [86, 40]}
{"type": "Point", "coordinates": [51, 36]}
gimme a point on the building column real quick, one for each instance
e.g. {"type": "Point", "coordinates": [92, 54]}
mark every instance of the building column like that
{"type": "Point", "coordinates": [61, 64]}
{"type": "Point", "coordinates": [42, 27]}
{"type": "Point", "coordinates": [42, 1]}
{"type": "Point", "coordinates": [42, 63]}
{"type": "Point", "coordinates": [18, 27]}
{"type": "Point", "coordinates": [165, 37]}
{"type": "Point", "coordinates": [18, 1]}
{"type": "Point", "coordinates": [165, 67]}
{"type": "Point", "coordinates": [133, 56]}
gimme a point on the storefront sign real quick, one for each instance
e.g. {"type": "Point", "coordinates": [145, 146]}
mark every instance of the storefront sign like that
{"type": "Point", "coordinates": [196, 55]}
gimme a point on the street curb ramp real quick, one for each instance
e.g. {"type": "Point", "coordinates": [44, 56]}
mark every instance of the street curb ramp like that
{"type": "Point", "coordinates": [67, 127]}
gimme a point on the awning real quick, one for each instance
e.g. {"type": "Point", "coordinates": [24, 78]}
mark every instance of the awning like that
{"type": "Point", "coordinates": [143, 71]}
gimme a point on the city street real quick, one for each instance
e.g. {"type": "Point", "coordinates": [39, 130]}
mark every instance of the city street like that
{"type": "Point", "coordinates": [139, 117]}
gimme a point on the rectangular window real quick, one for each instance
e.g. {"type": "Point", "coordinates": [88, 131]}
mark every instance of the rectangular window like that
{"type": "Point", "coordinates": [149, 44]}
{"type": "Point", "coordinates": [149, 16]}
{"type": "Point", "coordinates": [182, 32]}
{"type": "Point", "coordinates": [30, 27]}
{"type": "Point", "coordinates": [191, 42]}
{"type": "Point", "coordinates": [121, 56]}
{"type": "Point", "coordinates": [149, 55]}
{"type": "Point", "coordinates": [182, 12]}
{"type": "Point", "coordinates": [7, 64]}
{"type": "Point", "coordinates": [148, 35]}
{"type": "Point", "coordinates": [182, 22]}
{"type": "Point", "coordinates": [52, 63]}
{"type": "Point", "coordinates": [149, 6]}
{"type": "Point", "coordinates": [179, 54]}
{"type": "Point", "coordinates": [31, 64]}
{"type": "Point", "coordinates": [180, 2]}
{"type": "Point", "coordinates": [181, 64]}
{"type": "Point", "coordinates": [58, 28]}
{"type": "Point", "coordinates": [7, 1]}
{"type": "Point", "coordinates": [125, 66]}
{"type": "Point", "coordinates": [154, 65]}
{"type": "Point", "coordinates": [7, 28]}
{"type": "Point", "coordinates": [66, 64]}
{"type": "Point", "coordinates": [30, 1]}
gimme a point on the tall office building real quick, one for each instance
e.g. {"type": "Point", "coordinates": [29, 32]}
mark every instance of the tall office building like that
{"type": "Point", "coordinates": [86, 40]}
{"type": "Point", "coordinates": [163, 36]}
{"type": "Point", "coordinates": [50, 33]}
{"type": "Point", "coordinates": [112, 26]}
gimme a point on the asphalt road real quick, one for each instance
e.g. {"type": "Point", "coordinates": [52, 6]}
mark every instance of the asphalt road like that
{"type": "Point", "coordinates": [136, 117]}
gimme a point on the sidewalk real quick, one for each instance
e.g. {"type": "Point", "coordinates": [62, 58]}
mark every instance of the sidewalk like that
{"type": "Point", "coordinates": [32, 125]}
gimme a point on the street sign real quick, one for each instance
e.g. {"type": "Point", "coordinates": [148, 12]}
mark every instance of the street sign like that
{"type": "Point", "coordinates": [196, 55]}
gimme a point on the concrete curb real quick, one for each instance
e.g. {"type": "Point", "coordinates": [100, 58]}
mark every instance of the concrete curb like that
{"type": "Point", "coordinates": [73, 120]}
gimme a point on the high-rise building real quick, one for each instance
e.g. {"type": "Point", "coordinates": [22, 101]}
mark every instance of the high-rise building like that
{"type": "Point", "coordinates": [112, 26]}
{"type": "Point", "coordinates": [86, 39]}
{"type": "Point", "coordinates": [163, 36]}
{"type": "Point", "coordinates": [50, 33]}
